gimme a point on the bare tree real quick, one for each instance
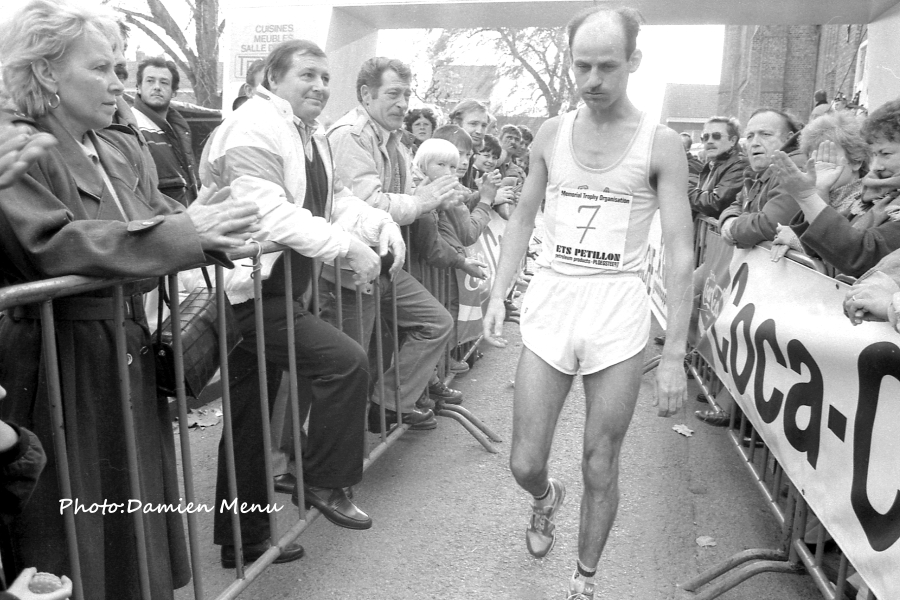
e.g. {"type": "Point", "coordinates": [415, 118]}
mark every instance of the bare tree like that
{"type": "Point", "coordinates": [535, 57]}
{"type": "Point", "coordinates": [201, 61]}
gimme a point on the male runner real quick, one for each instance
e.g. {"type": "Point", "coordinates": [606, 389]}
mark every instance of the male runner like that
{"type": "Point", "coordinates": [605, 169]}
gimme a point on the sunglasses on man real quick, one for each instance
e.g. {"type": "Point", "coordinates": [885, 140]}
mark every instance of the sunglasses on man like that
{"type": "Point", "coordinates": [716, 135]}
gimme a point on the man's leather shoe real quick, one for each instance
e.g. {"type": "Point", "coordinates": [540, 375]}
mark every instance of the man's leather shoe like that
{"type": "Point", "coordinates": [294, 551]}
{"type": "Point", "coordinates": [285, 483]}
{"type": "Point", "coordinates": [425, 402]}
{"type": "Point", "coordinates": [335, 506]}
{"type": "Point", "coordinates": [417, 419]}
{"type": "Point", "coordinates": [440, 391]}
{"type": "Point", "coordinates": [714, 417]}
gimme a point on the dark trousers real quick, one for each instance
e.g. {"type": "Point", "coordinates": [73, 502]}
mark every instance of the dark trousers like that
{"type": "Point", "coordinates": [333, 378]}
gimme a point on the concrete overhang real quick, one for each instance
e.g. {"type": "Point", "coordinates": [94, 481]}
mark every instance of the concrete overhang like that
{"type": "Point", "coordinates": [421, 14]}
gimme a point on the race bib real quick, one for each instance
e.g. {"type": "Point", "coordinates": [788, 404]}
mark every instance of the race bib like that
{"type": "Point", "coordinates": [591, 227]}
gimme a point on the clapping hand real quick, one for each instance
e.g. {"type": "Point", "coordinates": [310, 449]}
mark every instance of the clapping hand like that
{"type": "Point", "coordinates": [18, 151]}
{"type": "Point", "coordinates": [830, 163]}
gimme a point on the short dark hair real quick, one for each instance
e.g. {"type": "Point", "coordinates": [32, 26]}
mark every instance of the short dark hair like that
{"type": "Point", "coordinates": [414, 115]}
{"type": "Point", "coordinates": [160, 63]}
{"type": "Point", "coordinates": [371, 71]}
{"type": "Point", "coordinates": [630, 18]}
{"type": "Point", "coordinates": [791, 123]}
{"type": "Point", "coordinates": [510, 128]}
{"type": "Point", "coordinates": [454, 133]}
{"type": "Point", "coordinates": [820, 97]}
{"type": "Point", "coordinates": [281, 58]}
{"type": "Point", "coordinates": [883, 123]}
{"type": "Point", "coordinates": [687, 140]}
{"type": "Point", "coordinates": [466, 106]}
{"type": "Point", "coordinates": [527, 135]}
{"type": "Point", "coordinates": [492, 145]}
{"type": "Point", "coordinates": [732, 125]}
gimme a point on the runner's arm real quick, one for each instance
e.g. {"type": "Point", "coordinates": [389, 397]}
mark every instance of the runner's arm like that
{"type": "Point", "coordinates": [518, 231]}
{"type": "Point", "coordinates": [670, 170]}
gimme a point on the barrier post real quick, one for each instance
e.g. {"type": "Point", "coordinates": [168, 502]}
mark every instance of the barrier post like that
{"type": "Point", "coordinates": [51, 360]}
{"type": "Point", "coordinates": [187, 467]}
{"type": "Point", "coordinates": [130, 438]}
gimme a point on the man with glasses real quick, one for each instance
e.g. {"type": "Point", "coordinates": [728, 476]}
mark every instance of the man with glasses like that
{"type": "Point", "coordinates": [721, 178]}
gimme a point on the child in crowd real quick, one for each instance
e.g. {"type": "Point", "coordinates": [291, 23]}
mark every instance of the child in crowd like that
{"type": "Point", "coordinates": [429, 246]}
{"type": "Point", "coordinates": [485, 163]}
{"type": "Point", "coordinates": [21, 461]}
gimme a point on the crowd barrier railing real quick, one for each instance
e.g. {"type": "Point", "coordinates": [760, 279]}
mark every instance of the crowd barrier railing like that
{"type": "Point", "coordinates": [785, 502]}
{"type": "Point", "coordinates": [45, 293]}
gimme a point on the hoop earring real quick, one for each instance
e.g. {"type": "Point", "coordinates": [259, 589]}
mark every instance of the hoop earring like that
{"type": "Point", "coordinates": [50, 104]}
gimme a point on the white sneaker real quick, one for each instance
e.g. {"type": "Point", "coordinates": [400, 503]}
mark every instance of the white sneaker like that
{"type": "Point", "coordinates": [541, 533]}
{"type": "Point", "coordinates": [580, 589]}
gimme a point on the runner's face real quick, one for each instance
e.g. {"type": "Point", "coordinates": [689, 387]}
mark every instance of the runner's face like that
{"type": "Point", "coordinates": [599, 62]}
{"type": "Point", "coordinates": [716, 148]}
{"type": "Point", "coordinates": [884, 158]}
{"type": "Point", "coordinates": [766, 133]}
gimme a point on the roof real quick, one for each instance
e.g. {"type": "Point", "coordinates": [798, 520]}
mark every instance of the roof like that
{"type": "Point", "coordinates": [684, 101]}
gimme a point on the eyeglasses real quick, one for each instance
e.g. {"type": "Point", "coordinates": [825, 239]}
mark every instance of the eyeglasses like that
{"type": "Point", "coordinates": [716, 135]}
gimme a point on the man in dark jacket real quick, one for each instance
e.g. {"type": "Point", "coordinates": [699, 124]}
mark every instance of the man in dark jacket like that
{"type": "Point", "coordinates": [763, 203]}
{"type": "Point", "coordinates": [722, 177]}
{"type": "Point", "coordinates": [165, 130]}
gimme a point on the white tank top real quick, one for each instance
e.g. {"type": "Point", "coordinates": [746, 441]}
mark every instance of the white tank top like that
{"type": "Point", "coordinates": [597, 220]}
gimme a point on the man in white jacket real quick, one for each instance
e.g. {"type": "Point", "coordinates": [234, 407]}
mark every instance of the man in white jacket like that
{"type": "Point", "coordinates": [268, 152]}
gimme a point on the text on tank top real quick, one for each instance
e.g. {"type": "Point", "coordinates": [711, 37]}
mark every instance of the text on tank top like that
{"type": "Point", "coordinates": [597, 220]}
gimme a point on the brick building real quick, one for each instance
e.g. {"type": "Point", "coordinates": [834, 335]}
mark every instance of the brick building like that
{"type": "Point", "coordinates": [781, 66]}
{"type": "Point", "coordinates": [687, 106]}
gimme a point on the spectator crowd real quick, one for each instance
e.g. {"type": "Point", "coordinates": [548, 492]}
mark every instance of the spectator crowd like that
{"type": "Point", "coordinates": [90, 185]}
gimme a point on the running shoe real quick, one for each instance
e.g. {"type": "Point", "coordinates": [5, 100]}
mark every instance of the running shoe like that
{"type": "Point", "coordinates": [580, 589]}
{"type": "Point", "coordinates": [541, 533]}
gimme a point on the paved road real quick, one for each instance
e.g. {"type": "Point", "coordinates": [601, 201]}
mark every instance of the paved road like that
{"type": "Point", "coordinates": [449, 519]}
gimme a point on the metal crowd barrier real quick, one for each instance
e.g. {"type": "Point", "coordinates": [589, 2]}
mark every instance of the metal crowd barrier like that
{"type": "Point", "coordinates": [783, 500]}
{"type": "Point", "coordinates": [46, 291]}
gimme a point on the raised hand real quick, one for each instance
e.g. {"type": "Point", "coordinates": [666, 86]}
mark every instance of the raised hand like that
{"type": "Point", "coordinates": [18, 151]}
{"type": "Point", "coordinates": [432, 195]}
{"type": "Point", "coordinates": [797, 183]}
{"type": "Point", "coordinates": [830, 163]}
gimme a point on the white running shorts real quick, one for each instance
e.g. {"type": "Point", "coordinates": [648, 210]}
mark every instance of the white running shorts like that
{"type": "Point", "coordinates": [585, 324]}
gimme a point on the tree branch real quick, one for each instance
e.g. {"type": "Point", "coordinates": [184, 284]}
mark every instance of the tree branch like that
{"type": "Point", "coordinates": [156, 38]}
{"type": "Point", "coordinates": [545, 90]}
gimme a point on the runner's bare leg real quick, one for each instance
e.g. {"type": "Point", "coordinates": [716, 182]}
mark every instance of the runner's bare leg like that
{"type": "Point", "coordinates": [539, 397]}
{"type": "Point", "coordinates": [611, 397]}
